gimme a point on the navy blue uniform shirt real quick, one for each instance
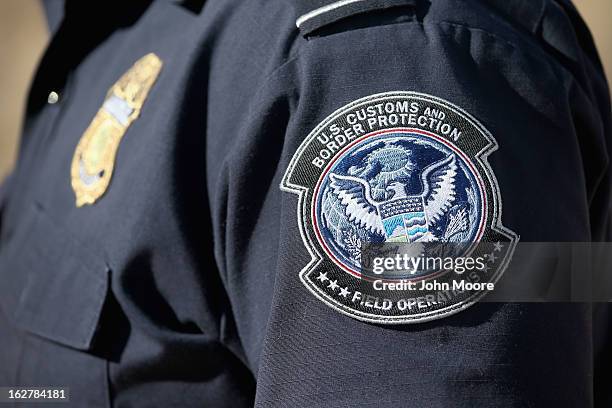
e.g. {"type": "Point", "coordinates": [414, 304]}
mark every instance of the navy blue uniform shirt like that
{"type": "Point", "coordinates": [156, 245]}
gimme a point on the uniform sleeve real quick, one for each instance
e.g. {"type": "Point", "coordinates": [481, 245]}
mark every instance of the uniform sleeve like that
{"type": "Point", "coordinates": [431, 121]}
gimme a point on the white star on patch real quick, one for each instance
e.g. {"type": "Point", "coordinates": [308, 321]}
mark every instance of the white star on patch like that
{"type": "Point", "coordinates": [492, 257]}
{"type": "Point", "coordinates": [333, 284]}
{"type": "Point", "coordinates": [322, 276]}
{"type": "Point", "coordinates": [344, 292]}
{"type": "Point", "coordinates": [498, 246]}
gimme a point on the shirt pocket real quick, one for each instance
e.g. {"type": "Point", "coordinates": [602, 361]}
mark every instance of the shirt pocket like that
{"type": "Point", "coordinates": [53, 288]}
{"type": "Point", "coordinates": [50, 284]}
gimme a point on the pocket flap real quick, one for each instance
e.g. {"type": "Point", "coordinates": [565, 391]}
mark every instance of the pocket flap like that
{"type": "Point", "coordinates": [50, 284]}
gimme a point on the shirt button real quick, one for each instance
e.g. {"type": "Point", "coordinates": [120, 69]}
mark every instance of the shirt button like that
{"type": "Point", "coordinates": [52, 98]}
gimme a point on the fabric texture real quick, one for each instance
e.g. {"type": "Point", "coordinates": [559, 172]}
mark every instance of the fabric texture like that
{"type": "Point", "coordinates": [202, 250]}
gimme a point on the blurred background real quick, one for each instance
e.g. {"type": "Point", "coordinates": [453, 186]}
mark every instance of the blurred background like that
{"type": "Point", "coordinates": [23, 36]}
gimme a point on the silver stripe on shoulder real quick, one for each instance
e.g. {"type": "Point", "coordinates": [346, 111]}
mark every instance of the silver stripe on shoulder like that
{"type": "Point", "coordinates": [323, 10]}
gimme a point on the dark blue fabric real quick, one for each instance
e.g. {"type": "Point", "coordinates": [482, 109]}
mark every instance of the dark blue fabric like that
{"type": "Point", "coordinates": [321, 19]}
{"type": "Point", "coordinates": [54, 11]}
{"type": "Point", "coordinates": [204, 305]}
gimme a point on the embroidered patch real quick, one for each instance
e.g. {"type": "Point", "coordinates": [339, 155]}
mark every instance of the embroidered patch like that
{"type": "Point", "coordinates": [94, 158]}
{"type": "Point", "coordinates": [402, 174]}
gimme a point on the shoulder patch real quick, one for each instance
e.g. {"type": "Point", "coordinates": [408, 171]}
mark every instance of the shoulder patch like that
{"type": "Point", "coordinates": [312, 17]}
{"type": "Point", "coordinates": [402, 174]}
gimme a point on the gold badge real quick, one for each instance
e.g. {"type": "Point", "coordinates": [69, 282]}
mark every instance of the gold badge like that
{"type": "Point", "coordinates": [94, 158]}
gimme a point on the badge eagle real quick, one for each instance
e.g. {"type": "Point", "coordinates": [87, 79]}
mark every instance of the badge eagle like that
{"type": "Point", "coordinates": [94, 158]}
{"type": "Point", "coordinates": [402, 218]}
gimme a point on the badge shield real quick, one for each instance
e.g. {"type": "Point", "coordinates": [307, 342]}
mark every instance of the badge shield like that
{"type": "Point", "coordinates": [94, 158]}
{"type": "Point", "coordinates": [404, 219]}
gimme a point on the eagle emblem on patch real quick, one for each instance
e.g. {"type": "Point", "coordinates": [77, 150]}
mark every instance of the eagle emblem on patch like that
{"type": "Point", "coordinates": [94, 158]}
{"type": "Point", "coordinates": [405, 174]}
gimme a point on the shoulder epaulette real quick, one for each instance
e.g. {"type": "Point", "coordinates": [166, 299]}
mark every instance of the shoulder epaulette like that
{"type": "Point", "coordinates": [318, 13]}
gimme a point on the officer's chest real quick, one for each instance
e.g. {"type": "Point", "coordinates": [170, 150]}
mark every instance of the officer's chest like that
{"type": "Point", "coordinates": [98, 161]}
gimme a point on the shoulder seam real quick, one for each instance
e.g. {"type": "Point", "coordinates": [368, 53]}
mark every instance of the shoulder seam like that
{"type": "Point", "coordinates": [533, 50]}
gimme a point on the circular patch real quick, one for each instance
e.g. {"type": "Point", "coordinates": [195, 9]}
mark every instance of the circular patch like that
{"type": "Point", "coordinates": [394, 169]}
{"type": "Point", "coordinates": [399, 209]}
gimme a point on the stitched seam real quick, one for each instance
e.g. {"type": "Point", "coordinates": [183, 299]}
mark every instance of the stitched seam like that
{"type": "Point", "coordinates": [533, 49]}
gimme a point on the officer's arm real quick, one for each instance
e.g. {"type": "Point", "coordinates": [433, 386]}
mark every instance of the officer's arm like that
{"type": "Point", "coordinates": [445, 114]}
